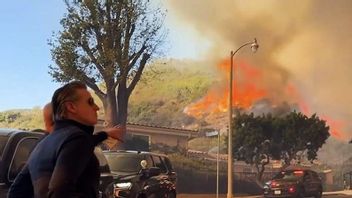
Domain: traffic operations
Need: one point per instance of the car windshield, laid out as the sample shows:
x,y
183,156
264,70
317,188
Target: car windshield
x,y
124,162
3,141
289,175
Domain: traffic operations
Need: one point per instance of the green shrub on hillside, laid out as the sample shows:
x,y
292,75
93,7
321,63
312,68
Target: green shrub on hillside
x,y
163,94
22,119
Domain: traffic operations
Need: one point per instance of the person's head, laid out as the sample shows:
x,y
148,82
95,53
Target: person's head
x,y
48,117
73,101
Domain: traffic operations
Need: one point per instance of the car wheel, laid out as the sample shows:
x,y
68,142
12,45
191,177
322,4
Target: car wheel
x,y
152,196
319,193
300,193
171,195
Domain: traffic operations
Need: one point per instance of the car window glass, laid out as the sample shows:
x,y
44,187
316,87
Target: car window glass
x,y
308,175
315,175
289,175
22,152
3,140
124,162
149,161
168,163
158,163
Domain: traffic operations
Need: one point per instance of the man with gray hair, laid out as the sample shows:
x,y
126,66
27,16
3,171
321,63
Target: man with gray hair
x,y
22,186
63,163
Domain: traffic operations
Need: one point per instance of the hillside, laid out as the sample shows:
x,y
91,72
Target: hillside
x,y
160,98
165,89
22,119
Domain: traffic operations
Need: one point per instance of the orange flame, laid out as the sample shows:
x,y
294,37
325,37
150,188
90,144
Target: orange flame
x,y
247,89
335,127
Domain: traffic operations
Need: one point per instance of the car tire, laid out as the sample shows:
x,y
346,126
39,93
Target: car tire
x,y
171,195
319,193
300,193
152,196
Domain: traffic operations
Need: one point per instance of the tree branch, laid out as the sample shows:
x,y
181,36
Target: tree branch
x,y
91,83
85,47
139,73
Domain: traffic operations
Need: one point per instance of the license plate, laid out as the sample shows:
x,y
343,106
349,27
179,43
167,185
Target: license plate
x,y
277,192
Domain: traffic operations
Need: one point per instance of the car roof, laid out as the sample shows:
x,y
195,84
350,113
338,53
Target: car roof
x,y
10,131
297,167
132,152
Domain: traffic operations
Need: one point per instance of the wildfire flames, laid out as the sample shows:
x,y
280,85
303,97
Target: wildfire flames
x,y
248,89
245,92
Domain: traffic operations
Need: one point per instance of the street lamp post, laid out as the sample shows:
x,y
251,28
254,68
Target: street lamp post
x,y
254,47
217,166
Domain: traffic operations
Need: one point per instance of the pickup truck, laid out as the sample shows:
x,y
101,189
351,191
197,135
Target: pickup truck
x,y
15,148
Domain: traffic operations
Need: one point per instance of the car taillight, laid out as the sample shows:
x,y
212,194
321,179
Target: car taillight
x,y
291,189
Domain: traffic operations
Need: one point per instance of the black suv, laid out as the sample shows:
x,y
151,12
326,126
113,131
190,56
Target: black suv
x,y
294,183
15,148
141,174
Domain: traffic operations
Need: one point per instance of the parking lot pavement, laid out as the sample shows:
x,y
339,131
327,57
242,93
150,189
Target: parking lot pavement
x,y
212,196
342,192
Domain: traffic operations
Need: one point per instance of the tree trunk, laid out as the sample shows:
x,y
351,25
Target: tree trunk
x,y
258,179
110,109
122,104
260,174
121,118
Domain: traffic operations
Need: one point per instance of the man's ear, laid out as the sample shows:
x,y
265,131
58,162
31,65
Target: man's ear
x,y
70,107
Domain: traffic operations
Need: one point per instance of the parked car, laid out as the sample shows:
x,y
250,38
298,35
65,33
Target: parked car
x,y
294,183
141,174
15,148
106,183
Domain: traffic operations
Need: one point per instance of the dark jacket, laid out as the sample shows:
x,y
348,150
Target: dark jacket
x,y
62,165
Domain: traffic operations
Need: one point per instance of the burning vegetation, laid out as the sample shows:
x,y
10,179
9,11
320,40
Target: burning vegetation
x,y
251,95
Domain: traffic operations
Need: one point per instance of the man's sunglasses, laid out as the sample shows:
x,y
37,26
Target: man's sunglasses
x,y
91,102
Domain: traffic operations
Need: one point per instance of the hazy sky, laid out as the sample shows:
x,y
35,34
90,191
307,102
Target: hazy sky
x,y
25,56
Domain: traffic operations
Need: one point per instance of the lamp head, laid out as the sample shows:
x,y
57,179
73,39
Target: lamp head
x,y
254,46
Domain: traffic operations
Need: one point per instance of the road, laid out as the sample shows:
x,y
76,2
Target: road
x,y
224,196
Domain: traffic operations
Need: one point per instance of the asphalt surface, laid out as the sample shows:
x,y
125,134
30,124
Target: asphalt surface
x,y
224,196
337,194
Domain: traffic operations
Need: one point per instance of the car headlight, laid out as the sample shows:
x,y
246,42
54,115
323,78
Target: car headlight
x,y
123,185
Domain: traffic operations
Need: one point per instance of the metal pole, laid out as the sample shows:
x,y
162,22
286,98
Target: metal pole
x,y
254,46
229,149
217,167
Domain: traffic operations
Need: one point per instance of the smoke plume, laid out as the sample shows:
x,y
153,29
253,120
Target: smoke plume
x,y
303,43
306,43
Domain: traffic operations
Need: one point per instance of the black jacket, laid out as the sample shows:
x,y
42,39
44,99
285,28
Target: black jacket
x,y
62,165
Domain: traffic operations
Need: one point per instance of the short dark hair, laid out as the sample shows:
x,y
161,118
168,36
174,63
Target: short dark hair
x,y
62,95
